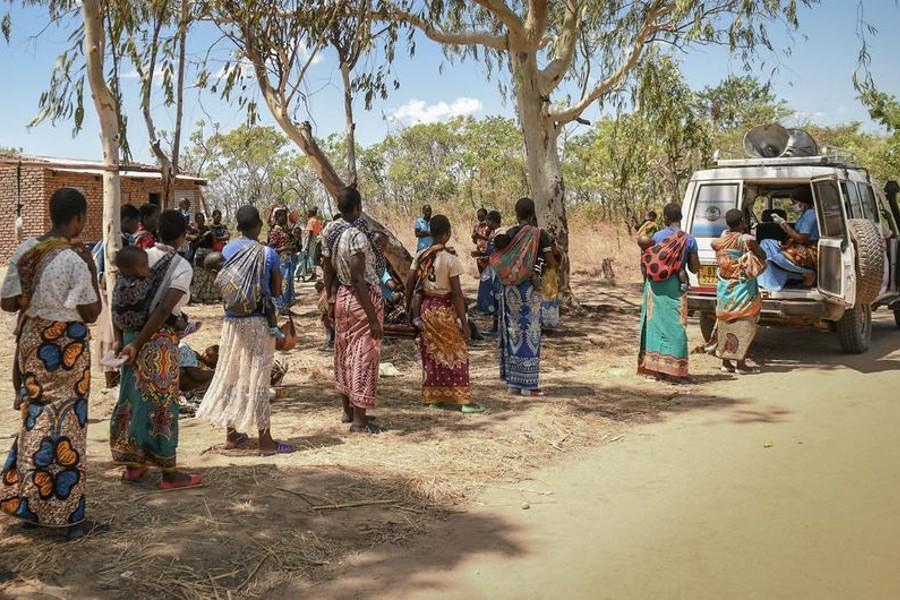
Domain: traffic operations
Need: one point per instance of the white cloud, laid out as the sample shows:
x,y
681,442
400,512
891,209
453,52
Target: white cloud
x,y
417,111
801,115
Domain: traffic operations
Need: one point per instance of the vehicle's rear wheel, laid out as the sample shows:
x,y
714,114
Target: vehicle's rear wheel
x,y
707,324
869,259
854,330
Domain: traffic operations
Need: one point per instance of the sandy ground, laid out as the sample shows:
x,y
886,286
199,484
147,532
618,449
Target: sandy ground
x,y
640,483
781,485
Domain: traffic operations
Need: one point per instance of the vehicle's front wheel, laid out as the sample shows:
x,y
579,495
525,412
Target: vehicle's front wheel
x,y
854,330
707,325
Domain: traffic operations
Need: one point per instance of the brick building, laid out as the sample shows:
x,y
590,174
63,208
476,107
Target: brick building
x,y
27,182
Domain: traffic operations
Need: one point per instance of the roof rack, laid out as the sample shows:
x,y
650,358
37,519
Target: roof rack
x,y
834,160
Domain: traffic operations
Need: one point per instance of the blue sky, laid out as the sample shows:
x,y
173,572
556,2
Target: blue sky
x,y
814,78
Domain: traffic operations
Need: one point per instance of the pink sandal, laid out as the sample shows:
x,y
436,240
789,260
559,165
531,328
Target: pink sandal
x,y
191,482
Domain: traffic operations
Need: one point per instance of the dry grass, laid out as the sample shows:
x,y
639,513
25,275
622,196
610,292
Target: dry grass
x,y
591,241
264,523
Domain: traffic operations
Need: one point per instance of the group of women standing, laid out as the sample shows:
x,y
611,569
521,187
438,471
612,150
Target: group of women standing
x,y
667,256
52,284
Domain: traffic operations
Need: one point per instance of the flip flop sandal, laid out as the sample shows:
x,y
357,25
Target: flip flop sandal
x,y
193,481
747,371
136,478
239,440
727,369
473,409
367,428
535,393
514,390
280,448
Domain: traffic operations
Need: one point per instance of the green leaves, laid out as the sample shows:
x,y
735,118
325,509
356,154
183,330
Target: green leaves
x,y
6,26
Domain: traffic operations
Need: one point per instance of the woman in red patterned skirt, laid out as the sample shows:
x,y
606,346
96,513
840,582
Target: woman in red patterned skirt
x,y
434,277
353,269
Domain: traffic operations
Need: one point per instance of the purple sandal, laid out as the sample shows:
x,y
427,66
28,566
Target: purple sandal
x,y
280,448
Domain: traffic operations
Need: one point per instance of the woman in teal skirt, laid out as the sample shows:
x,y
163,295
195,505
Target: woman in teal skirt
x,y
144,422
664,344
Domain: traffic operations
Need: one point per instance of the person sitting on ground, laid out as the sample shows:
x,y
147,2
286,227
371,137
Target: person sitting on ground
x,y
391,287
797,258
196,369
738,301
443,323
663,337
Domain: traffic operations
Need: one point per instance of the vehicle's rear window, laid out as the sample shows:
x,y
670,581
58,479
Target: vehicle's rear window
x,y
831,215
869,205
713,201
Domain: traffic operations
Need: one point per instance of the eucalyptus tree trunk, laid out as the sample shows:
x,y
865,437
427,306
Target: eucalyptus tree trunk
x,y
105,104
545,176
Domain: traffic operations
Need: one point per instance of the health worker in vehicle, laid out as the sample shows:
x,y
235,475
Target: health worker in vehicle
x,y
794,259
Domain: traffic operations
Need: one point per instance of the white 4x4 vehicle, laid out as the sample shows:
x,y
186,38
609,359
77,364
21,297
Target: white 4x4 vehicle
x,y
858,249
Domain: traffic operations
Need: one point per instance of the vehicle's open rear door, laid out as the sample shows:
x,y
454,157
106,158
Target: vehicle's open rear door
x,y
837,273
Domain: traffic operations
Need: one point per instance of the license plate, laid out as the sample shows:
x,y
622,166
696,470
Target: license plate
x,y
708,276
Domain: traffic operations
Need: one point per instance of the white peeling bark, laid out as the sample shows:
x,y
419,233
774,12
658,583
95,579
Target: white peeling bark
x,y
105,104
545,177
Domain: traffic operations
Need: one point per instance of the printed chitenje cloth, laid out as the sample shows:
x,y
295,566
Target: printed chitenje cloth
x,y
356,353
144,422
238,395
665,258
648,229
802,255
515,263
550,298
43,478
520,335
738,298
445,356
333,234
663,333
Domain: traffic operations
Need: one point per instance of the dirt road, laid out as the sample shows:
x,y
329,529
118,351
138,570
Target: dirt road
x,y
781,485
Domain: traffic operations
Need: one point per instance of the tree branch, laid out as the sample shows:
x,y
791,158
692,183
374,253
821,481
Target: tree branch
x,y
648,27
506,15
536,23
467,38
553,73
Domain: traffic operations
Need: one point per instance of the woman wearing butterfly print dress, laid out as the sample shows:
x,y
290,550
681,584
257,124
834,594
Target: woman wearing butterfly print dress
x,y
52,284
